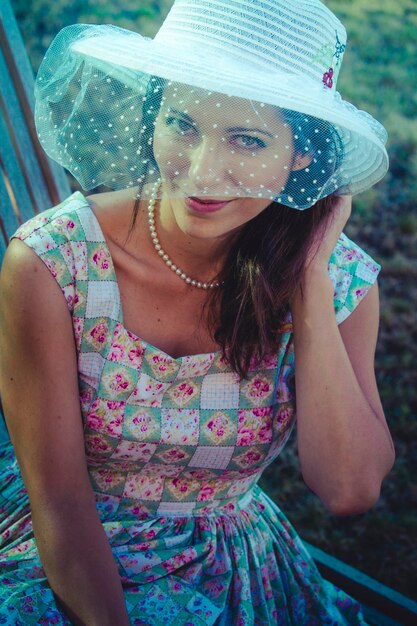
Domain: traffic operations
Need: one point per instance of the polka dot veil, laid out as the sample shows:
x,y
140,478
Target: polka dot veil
x,y
209,144
119,127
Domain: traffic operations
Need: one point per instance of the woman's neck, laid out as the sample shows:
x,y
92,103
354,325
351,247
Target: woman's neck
x,y
200,257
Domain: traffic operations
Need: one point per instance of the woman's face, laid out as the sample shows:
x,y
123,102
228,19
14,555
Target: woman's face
x,y
218,157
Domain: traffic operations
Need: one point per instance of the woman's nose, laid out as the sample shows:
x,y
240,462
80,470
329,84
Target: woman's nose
x,y
206,164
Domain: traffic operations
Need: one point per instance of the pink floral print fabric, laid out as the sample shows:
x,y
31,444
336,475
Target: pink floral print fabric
x,y
175,448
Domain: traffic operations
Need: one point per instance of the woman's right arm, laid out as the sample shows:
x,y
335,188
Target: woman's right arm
x,y
40,396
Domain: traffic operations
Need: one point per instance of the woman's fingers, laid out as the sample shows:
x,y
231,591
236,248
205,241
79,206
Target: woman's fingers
x,y
326,239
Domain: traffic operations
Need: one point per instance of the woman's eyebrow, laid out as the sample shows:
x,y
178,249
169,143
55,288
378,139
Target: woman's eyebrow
x,y
182,114
235,129
238,129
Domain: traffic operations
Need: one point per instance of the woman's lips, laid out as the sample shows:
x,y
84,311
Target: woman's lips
x,y
205,206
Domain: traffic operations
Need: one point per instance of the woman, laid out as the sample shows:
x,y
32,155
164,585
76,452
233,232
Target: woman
x,y
149,334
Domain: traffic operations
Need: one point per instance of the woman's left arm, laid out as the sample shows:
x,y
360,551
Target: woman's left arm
x,y
344,444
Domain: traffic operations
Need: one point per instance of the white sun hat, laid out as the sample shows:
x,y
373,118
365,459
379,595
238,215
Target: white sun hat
x,y
122,110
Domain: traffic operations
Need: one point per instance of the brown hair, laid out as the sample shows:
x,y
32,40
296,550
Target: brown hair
x,y
262,272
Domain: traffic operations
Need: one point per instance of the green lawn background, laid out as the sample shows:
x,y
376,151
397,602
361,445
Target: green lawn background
x,y
380,76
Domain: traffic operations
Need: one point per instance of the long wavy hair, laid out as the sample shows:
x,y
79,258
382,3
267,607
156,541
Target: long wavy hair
x,y
265,262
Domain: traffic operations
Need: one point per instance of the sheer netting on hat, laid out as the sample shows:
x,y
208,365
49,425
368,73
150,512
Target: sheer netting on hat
x,y
119,127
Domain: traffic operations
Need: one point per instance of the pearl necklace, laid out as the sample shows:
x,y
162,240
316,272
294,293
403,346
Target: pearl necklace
x,y
178,271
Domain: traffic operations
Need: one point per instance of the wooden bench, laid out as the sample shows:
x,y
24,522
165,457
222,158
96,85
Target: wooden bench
x,y
30,183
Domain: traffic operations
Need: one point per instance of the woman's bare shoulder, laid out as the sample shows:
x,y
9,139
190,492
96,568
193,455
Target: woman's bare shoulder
x,y
25,280
29,296
113,211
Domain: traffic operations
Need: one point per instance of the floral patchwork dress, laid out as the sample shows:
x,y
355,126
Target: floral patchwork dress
x,y
175,448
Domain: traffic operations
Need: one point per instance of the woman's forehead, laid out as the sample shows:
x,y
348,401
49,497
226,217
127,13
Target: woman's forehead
x,y
202,105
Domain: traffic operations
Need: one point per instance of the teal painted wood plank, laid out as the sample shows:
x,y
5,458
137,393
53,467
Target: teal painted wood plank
x,y
4,435
368,591
16,58
8,217
3,245
10,163
26,158
17,45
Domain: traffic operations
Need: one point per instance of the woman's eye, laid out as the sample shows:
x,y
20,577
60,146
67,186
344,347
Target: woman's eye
x,y
182,127
249,142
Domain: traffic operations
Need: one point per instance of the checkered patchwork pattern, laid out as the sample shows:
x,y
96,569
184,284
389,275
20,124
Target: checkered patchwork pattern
x,y
353,272
179,436
174,449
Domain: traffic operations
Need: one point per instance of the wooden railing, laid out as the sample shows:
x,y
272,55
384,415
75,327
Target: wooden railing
x,y
382,605
29,181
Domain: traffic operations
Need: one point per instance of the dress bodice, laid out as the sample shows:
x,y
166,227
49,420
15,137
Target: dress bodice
x,y
164,435
174,449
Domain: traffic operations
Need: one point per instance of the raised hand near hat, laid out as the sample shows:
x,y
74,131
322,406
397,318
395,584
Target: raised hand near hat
x,y
327,237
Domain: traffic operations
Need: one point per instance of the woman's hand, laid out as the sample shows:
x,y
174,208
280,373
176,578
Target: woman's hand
x,y
316,276
326,239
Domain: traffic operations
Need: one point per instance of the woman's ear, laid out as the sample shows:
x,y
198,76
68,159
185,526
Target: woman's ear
x,y
301,161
